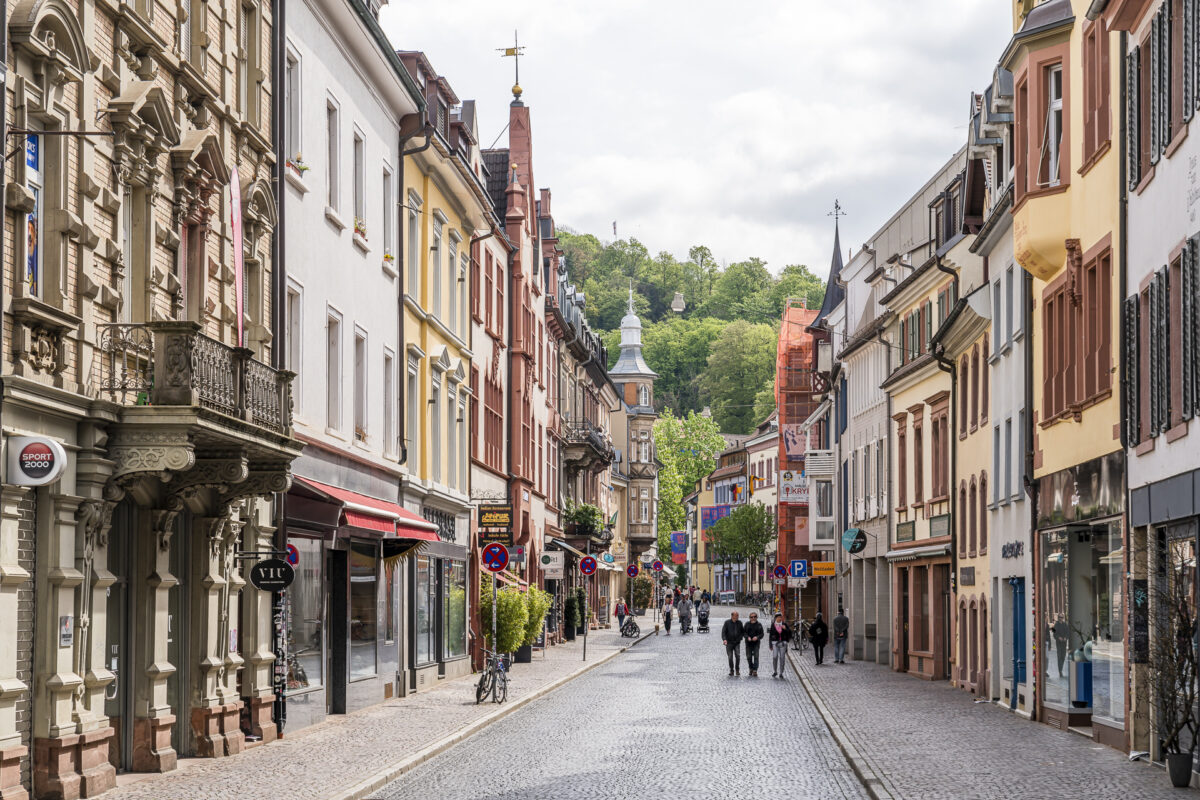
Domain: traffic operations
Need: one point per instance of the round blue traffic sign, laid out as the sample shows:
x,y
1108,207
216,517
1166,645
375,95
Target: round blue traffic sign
x,y
780,571
587,565
632,571
657,566
495,557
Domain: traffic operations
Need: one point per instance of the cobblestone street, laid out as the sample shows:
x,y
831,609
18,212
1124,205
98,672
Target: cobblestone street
x,y
928,741
662,720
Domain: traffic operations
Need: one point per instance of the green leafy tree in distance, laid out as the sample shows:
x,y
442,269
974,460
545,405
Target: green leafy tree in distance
x,y
745,533
741,362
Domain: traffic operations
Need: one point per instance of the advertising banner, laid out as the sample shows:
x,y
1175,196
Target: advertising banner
x,y
710,514
678,547
793,487
802,530
795,440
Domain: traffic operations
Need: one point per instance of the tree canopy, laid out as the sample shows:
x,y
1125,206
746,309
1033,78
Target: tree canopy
x,y
723,304
745,533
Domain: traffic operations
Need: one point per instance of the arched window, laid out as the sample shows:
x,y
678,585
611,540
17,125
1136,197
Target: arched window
x,y
983,514
973,519
964,376
643,395
962,517
975,387
963,642
974,640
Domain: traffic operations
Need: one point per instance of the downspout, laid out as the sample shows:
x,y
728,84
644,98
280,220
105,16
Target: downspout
x,y
278,323
1123,270
887,370
401,246
949,367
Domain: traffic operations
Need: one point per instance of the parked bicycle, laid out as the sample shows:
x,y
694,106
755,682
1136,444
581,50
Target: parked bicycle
x,y
800,635
494,679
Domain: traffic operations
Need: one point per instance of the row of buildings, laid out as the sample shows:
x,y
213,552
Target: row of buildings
x,y
995,399
265,295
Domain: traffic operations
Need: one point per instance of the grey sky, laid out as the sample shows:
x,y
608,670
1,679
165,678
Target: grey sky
x,y
733,125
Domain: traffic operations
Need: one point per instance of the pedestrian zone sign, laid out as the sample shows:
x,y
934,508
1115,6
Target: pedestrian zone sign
x,y
799,569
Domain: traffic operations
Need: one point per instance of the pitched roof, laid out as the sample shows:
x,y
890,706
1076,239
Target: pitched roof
x,y
496,163
834,293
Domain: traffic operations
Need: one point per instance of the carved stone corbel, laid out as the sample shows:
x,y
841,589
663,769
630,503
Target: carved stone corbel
x,y
1074,269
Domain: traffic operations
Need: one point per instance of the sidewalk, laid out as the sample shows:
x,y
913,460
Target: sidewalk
x,y
909,738
348,757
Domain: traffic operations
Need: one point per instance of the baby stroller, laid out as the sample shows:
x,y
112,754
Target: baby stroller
x,y
702,626
685,624
630,629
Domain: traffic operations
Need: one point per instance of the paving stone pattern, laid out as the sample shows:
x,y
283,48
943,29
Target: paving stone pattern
x,y
321,761
662,720
930,741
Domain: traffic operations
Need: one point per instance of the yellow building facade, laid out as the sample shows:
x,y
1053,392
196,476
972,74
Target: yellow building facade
x,y
1066,236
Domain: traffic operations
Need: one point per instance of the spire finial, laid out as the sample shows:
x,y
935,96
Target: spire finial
x,y
836,213
631,295
515,52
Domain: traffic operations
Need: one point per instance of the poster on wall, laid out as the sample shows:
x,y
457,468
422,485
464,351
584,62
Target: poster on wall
x,y
793,486
795,440
802,530
709,515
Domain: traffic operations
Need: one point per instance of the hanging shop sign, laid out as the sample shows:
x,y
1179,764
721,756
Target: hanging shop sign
x,y
854,540
495,524
516,553
272,575
35,460
553,564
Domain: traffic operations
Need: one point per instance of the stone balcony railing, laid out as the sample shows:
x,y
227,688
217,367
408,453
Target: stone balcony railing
x,y
174,364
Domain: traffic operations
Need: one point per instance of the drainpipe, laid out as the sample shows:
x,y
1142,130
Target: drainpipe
x,y
949,367
278,323
887,370
427,130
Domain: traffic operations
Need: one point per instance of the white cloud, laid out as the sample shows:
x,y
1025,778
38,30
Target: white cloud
x,y
729,125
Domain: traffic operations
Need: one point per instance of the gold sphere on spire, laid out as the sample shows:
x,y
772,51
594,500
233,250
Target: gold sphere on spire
x,y
517,90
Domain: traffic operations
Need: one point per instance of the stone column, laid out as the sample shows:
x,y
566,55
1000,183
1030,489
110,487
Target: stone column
x,y
216,709
257,630
12,578
153,715
56,732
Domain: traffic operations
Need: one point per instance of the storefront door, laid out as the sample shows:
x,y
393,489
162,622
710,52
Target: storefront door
x,y
118,699
902,634
1017,646
178,629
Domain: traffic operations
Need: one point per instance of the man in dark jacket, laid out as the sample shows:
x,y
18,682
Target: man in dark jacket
x,y
753,631
818,634
731,636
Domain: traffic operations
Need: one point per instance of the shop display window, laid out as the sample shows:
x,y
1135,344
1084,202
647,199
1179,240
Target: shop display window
x,y
1106,648
364,610
304,612
426,604
454,609
1054,603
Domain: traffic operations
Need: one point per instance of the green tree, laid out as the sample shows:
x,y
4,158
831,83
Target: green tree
x,y
740,363
689,444
580,251
797,281
735,288
745,533
764,401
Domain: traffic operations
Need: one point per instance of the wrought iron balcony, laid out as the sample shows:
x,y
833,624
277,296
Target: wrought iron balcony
x,y
174,364
585,446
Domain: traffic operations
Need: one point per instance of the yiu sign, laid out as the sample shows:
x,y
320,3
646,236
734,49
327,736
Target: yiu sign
x,y
35,460
272,575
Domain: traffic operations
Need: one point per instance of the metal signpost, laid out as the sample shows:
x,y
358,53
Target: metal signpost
x,y
587,565
495,559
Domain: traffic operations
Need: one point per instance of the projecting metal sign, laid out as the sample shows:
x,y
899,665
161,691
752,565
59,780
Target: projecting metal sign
x,y
272,575
35,460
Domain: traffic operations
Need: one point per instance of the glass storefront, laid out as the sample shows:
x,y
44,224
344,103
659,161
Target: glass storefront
x,y
1082,616
426,605
454,609
304,612
364,611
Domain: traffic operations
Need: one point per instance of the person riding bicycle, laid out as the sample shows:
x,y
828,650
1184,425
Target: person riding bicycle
x,y
684,609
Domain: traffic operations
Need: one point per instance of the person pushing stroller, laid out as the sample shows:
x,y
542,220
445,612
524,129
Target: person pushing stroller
x,y
684,609
702,610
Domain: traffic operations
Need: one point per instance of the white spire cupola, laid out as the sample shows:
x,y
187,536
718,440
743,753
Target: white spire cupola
x,y
631,364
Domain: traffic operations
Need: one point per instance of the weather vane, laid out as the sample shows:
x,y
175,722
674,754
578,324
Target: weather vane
x,y
837,212
516,51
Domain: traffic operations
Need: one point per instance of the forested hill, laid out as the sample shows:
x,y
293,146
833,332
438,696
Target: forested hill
x,y
720,352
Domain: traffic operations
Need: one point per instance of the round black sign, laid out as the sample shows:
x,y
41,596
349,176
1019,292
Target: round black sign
x,y
855,543
272,574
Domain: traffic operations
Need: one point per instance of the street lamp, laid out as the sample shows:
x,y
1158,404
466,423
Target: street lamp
x,y
678,304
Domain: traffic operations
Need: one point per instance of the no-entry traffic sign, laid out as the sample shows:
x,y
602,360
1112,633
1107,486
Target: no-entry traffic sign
x,y
632,571
587,565
657,566
780,571
495,557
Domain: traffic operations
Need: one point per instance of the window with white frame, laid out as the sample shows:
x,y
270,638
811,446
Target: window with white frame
x,y
451,435
332,148
294,311
1022,446
461,422
127,253
360,385
1008,305
389,215
360,211
451,268
435,426
463,265
414,246
997,455
1008,459
1052,133
389,402
412,403
333,370
997,314
291,99
435,265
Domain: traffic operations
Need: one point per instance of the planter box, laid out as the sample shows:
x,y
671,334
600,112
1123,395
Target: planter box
x,y
569,634
524,654
580,630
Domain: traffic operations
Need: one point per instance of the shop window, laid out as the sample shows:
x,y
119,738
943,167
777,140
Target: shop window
x,y
426,606
1107,620
389,591
454,609
1054,600
364,610
304,610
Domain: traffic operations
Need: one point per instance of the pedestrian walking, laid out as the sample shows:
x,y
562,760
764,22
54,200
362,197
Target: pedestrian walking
x,y
684,610
818,634
731,636
778,637
841,634
705,596
753,631
666,612
621,610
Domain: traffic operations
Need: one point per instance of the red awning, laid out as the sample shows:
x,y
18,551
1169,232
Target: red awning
x,y
373,514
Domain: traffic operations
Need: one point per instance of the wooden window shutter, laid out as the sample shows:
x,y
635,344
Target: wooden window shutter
x,y
1188,275
1132,104
928,311
1155,85
1164,78
1133,368
903,341
1164,347
1104,87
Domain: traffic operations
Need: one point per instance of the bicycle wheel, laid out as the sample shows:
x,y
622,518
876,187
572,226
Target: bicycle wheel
x,y
501,687
484,687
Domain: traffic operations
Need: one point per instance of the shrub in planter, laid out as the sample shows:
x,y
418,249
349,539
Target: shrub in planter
x,y
582,610
642,588
583,519
537,603
570,616
511,616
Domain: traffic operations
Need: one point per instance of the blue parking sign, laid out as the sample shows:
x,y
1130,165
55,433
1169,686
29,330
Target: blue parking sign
x,y
799,569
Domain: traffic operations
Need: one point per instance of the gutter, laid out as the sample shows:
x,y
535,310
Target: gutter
x,y
1095,10
389,52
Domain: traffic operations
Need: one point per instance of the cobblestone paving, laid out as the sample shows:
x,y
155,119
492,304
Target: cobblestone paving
x,y
930,741
321,761
663,720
